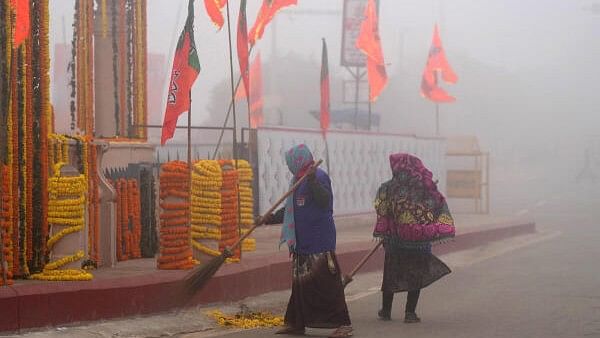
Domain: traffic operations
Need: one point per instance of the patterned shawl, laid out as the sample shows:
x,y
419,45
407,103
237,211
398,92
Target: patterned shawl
x,y
409,207
298,159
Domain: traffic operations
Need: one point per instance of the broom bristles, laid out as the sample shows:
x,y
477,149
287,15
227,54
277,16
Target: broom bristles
x,y
198,277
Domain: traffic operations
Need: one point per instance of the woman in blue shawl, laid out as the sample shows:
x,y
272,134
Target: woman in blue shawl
x,y
308,229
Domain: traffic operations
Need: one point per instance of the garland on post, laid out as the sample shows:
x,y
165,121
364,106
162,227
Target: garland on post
x,y
66,211
25,102
206,208
6,225
230,230
215,206
246,203
175,247
129,226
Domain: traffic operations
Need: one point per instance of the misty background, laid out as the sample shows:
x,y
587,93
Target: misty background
x,y
528,76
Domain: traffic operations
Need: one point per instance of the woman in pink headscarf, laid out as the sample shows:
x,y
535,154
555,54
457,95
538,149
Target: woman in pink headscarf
x,y
411,215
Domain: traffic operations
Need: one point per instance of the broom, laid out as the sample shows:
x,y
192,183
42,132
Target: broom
x,y
198,277
348,278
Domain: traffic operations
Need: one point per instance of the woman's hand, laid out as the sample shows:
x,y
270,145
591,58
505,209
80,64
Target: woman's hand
x,y
261,220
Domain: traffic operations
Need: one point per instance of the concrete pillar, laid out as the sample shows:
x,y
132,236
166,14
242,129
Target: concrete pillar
x,y
108,217
104,87
71,243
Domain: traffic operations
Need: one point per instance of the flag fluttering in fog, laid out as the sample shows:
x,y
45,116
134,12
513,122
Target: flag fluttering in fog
x,y
186,67
213,9
369,43
265,15
437,65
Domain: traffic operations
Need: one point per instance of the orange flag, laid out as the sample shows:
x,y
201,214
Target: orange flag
x,y
437,64
369,43
213,8
22,25
265,15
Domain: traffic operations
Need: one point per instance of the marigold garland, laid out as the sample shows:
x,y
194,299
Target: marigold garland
x,y
66,206
129,227
246,320
174,233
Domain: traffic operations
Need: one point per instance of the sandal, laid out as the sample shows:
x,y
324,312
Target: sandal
x,y
342,332
295,331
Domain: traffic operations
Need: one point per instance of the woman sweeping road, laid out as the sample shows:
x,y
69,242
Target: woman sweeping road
x,y
411,215
317,298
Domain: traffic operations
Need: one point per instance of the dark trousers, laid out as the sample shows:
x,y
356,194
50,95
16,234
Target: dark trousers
x,y
411,301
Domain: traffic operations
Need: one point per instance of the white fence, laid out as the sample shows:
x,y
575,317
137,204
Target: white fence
x,y
359,163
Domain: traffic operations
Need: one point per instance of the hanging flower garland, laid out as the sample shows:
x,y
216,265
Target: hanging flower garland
x,y
104,18
66,209
175,246
246,203
230,231
6,224
129,227
206,208
215,203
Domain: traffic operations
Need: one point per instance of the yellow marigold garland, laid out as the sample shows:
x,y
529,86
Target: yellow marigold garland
x,y
66,207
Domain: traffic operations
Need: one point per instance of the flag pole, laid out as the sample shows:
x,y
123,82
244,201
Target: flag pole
x,y
437,119
235,145
369,128
189,132
229,112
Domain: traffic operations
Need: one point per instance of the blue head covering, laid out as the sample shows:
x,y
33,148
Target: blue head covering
x,y
298,159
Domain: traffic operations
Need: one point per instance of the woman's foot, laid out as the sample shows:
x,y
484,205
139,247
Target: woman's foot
x,y
295,331
342,332
411,317
383,315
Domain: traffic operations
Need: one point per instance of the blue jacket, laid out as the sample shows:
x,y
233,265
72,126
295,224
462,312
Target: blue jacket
x,y
315,228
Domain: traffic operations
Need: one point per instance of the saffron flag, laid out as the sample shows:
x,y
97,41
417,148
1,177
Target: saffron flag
x,y
437,64
22,23
213,9
186,68
242,45
324,89
267,11
256,93
370,44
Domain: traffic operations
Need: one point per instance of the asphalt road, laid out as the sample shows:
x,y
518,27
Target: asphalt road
x,y
544,285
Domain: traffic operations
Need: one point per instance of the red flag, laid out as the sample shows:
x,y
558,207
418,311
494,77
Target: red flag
x,y
186,68
266,13
22,25
242,45
324,89
256,95
213,8
437,64
369,43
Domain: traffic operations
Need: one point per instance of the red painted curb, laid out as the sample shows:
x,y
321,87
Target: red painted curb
x,y
50,304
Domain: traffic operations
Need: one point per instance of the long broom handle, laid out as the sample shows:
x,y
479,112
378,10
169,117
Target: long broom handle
x,y
348,277
279,201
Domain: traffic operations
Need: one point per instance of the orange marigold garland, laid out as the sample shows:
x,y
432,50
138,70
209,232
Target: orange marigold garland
x,y
5,224
175,247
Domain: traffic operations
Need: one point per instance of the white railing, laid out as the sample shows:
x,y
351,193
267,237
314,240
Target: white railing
x,y
359,163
